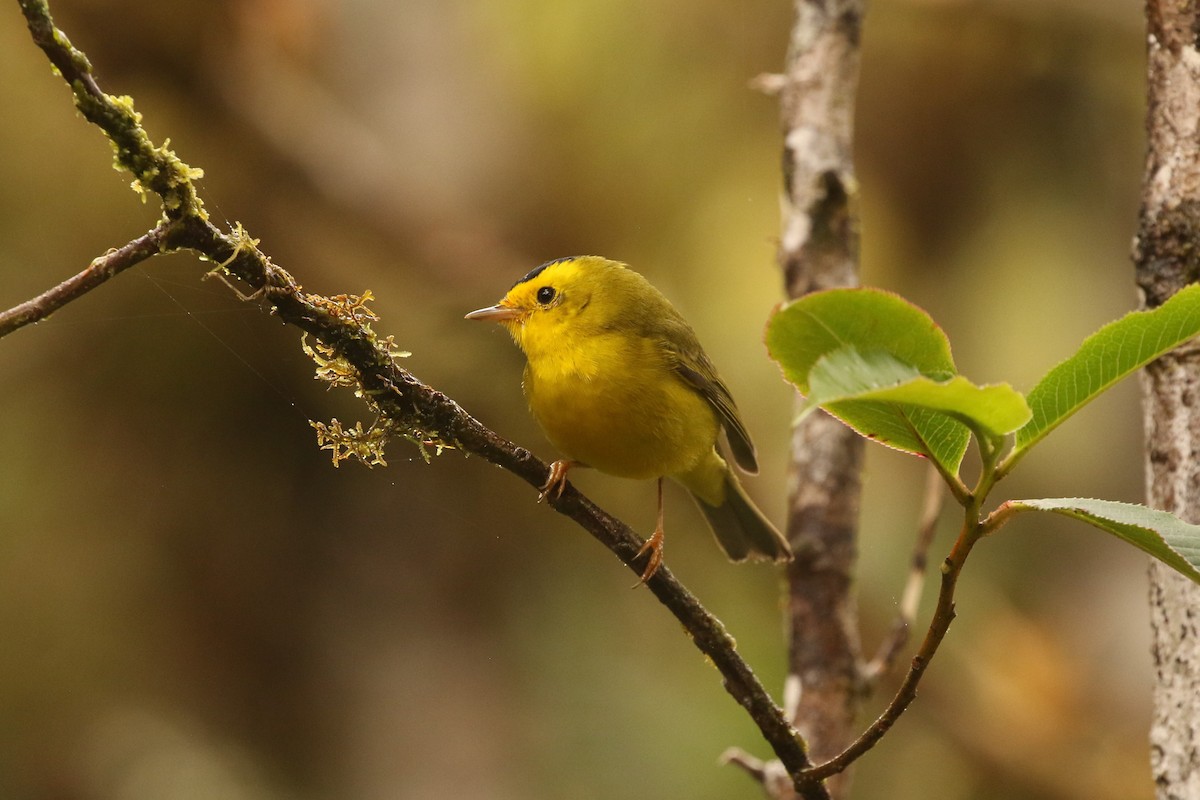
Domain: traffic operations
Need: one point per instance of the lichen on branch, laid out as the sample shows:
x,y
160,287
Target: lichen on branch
x,y
365,444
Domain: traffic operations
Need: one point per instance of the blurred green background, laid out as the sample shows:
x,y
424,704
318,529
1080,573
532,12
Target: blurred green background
x,y
195,604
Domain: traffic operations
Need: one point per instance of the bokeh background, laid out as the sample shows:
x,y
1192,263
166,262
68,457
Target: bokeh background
x,y
195,604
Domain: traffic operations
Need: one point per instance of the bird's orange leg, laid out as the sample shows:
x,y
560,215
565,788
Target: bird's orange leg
x,y
653,545
556,481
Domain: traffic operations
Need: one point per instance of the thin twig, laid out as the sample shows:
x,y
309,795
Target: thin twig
x,y
893,643
973,529
424,412
943,615
112,263
768,774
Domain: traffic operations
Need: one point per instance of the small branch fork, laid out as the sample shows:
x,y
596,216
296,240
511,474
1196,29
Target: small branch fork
x,y
768,773
974,528
395,392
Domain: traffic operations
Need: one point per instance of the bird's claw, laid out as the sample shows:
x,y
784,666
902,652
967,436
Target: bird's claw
x,y
653,546
556,481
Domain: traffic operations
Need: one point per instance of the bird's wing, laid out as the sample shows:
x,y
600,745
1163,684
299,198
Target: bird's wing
x,y
695,368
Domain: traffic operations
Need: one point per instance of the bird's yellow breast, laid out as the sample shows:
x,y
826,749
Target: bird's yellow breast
x,y
614,402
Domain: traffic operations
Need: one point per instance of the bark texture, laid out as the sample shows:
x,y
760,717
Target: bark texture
x,y
819,250
1166,259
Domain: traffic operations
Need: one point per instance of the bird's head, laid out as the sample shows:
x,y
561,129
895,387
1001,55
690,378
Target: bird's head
x,y
558,300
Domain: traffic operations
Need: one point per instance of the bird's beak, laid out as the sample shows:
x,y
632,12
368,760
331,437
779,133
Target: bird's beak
x,y
495,314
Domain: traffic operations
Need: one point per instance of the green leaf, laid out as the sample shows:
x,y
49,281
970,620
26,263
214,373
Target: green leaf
x,y
1165,536
1106,357
884,367
849,375
853,388
908,428
869,320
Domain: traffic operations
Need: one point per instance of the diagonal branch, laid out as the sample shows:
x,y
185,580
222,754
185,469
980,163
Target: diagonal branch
x,y
155,167
410,408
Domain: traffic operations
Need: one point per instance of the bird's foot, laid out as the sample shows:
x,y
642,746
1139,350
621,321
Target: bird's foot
x,y
653,546
556,481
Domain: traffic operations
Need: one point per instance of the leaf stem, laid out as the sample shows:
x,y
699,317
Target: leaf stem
x,y
1009,461
1000,517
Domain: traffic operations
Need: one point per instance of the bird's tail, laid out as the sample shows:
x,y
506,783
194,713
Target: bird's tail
x,y
741,529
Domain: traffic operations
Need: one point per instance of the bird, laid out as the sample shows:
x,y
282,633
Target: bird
x,y
618,381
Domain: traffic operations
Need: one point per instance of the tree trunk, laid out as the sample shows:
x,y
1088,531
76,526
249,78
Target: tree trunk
x,y
819,250
1167,258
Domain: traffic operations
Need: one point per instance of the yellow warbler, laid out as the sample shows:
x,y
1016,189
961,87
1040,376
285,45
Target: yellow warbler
x,y
618,381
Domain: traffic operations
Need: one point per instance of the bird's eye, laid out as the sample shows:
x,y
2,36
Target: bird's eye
x,y
546,294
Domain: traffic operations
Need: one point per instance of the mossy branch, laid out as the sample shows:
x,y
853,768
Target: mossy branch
x,y
349,353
